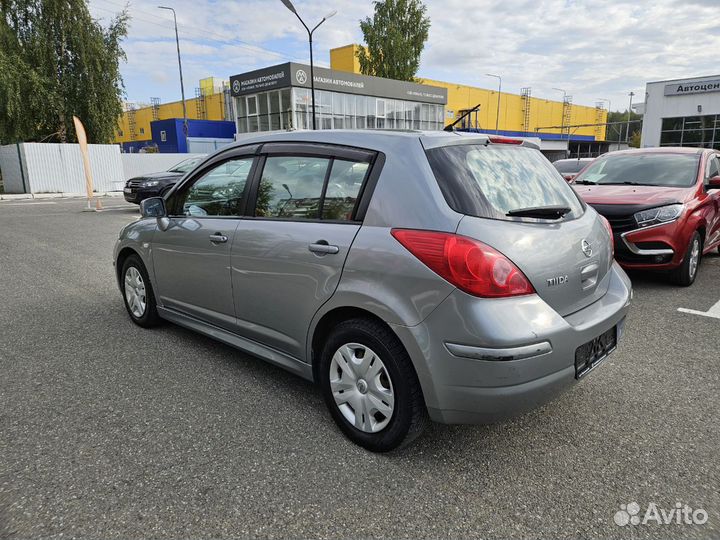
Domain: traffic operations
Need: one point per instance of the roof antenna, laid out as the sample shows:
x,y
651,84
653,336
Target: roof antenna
x,y
451,127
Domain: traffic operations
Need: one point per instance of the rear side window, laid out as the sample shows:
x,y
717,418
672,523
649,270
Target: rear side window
x,y
346,179
490,181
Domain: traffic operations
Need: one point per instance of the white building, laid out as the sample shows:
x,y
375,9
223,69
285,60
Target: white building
x,y
682,112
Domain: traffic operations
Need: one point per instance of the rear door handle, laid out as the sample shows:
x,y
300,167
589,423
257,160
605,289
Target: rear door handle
x,y
218,238
323,248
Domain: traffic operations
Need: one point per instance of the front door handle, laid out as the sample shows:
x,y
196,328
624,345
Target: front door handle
x,y
218,238
321,247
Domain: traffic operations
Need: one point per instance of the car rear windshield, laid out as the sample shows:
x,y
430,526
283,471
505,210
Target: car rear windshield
x,y
491,181
569,166
650,169
186,165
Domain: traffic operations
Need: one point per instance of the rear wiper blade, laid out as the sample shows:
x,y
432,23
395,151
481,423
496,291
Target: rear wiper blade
x,y
543,212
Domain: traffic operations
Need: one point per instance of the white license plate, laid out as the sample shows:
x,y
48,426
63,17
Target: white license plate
x,y
127,190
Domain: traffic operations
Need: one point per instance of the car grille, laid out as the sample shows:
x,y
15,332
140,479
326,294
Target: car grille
x,y
134,183
621,224
621,217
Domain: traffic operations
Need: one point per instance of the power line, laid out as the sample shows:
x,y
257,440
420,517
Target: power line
x,y
200,33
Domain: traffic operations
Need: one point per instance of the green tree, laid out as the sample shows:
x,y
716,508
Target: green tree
x,y
395,38
620,131
56,61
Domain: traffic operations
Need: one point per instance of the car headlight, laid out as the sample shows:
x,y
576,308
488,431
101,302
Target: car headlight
x,y
150,183
661,214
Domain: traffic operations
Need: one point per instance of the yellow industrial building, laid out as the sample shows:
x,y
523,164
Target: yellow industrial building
x,y
519,113
210,104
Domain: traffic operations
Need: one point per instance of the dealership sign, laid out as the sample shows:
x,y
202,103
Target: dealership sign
x,y
692,87
292,74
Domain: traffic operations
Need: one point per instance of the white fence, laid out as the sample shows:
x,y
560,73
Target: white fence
x,y
206,145
58,168
138,164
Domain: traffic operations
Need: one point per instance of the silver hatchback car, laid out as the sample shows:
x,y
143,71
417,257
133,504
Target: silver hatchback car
x,y
414,276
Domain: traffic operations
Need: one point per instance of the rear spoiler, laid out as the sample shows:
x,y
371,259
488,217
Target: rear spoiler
x,y
495,139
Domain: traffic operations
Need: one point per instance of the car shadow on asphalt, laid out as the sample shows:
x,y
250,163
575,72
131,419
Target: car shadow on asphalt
x,y
650,278
438,440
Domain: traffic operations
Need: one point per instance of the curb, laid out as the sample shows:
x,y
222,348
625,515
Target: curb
x,y
28,196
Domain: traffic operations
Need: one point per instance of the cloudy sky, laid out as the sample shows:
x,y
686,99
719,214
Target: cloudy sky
x,y
591,48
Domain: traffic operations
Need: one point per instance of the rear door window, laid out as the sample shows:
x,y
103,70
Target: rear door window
x,y
310,188
291,187
490,181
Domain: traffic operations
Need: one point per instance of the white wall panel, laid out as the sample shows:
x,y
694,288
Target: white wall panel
x,y
10,168
139,164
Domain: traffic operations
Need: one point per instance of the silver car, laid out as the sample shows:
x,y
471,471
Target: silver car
x,y
413,276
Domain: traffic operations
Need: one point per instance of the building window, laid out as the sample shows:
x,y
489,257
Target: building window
x,y
302,108
252,114
120,133
696,131
163,136
291,108
142,131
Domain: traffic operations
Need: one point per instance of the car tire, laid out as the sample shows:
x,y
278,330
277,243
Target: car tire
x,y
138,294
687,272
363,348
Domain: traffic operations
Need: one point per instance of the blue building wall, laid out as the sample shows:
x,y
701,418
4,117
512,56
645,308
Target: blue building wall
x,y
175,139
540,135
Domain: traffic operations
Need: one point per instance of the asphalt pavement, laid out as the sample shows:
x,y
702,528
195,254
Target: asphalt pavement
x,y
111,431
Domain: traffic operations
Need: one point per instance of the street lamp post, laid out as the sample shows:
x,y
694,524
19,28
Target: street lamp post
x,y
627,132
497,115
291,7
182,86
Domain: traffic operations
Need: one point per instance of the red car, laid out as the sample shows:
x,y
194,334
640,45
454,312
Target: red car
x,y
663,205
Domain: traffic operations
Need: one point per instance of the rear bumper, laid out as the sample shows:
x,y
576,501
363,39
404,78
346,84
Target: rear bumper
x,y
515,353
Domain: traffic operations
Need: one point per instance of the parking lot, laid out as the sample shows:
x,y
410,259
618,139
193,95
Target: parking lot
x,y
108,430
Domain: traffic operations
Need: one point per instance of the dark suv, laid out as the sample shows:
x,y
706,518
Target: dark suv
x,y
157,184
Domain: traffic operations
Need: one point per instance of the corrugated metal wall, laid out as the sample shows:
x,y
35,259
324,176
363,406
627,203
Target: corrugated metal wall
x,y
206,145
58,168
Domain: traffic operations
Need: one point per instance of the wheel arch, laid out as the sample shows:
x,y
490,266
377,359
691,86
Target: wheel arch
x,y
122,256
328,320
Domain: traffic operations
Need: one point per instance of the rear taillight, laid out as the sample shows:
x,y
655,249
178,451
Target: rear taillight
x,y
470,265
504,140
610,232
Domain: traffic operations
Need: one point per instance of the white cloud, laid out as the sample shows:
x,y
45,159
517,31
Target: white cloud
x,y
591,48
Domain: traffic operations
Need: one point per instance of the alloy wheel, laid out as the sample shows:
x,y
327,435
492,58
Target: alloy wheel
x,y
361,386
135,292
694,257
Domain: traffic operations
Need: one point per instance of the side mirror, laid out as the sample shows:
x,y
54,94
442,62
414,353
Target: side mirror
x,y
569,177
153,207
714,182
